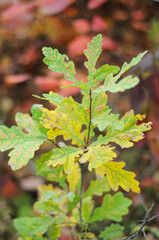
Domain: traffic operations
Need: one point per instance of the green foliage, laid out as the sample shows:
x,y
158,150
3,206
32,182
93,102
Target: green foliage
x,y
130,131
25,139
114,231
55,175
74,123
31,227
105,70
111,84
59,63
98,187
113,207
99,106
87,208
52,97
66,157
92,53
108,119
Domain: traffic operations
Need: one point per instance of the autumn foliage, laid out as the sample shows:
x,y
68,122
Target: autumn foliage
x,y
79,148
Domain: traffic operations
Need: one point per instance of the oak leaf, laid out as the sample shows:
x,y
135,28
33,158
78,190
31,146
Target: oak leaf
x,y
113,208
97,156
117,176
65,156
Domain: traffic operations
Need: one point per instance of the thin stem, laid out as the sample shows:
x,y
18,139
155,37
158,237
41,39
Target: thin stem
x,y
142,202
146,220
86,144
81,195
54,143
143,230
90,116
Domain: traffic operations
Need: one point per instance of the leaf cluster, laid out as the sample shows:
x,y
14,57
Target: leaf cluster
x,y
76,123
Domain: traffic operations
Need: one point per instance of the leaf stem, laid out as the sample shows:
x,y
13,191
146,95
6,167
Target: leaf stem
x,y
81,195
86,144
54,143
90,117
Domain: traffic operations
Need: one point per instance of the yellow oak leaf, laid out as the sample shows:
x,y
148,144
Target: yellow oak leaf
x,y
97,156
117,176
74,110
59,124
74,177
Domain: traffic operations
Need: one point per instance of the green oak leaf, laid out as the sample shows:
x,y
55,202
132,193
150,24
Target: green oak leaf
x,y
92,53
25,139
51,174
37,113
102,72
65,156
28,227
98,187
52,97
130,132
113,208
99,106
114,231
53,201
59,63
108,119
128,82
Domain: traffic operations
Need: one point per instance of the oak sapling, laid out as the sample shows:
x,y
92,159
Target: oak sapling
x,y
68,205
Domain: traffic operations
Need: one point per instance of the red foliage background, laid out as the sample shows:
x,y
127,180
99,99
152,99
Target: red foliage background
x,y
128,28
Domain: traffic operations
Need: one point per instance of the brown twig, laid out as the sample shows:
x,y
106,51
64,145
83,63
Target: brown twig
x,y
54,143
144,222
142,202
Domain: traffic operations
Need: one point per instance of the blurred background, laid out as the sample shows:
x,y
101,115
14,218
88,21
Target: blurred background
x,y
128,28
